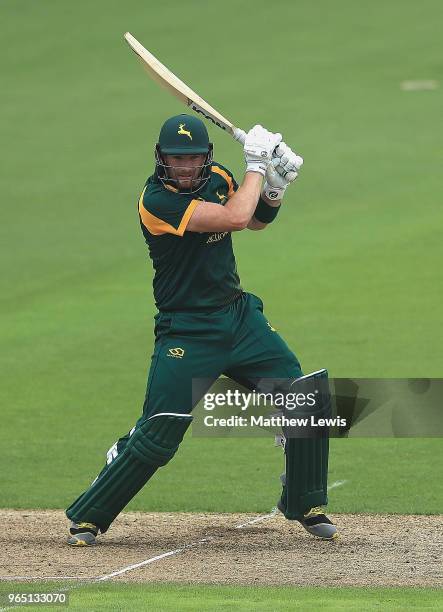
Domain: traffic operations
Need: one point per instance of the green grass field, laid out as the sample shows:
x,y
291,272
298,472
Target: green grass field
x,y
349,273
169,597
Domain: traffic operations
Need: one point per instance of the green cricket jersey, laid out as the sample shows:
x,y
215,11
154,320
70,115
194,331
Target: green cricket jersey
x,y
193,271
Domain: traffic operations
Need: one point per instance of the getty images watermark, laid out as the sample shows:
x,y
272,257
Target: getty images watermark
x,y
348,407
285,402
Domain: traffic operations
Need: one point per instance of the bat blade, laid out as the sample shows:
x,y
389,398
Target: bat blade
x,y
174,85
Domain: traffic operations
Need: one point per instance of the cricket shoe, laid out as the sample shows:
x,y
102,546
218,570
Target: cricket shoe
x,y
314,521
83,534
318,524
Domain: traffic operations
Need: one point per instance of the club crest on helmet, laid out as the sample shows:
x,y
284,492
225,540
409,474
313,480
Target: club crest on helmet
x,y
181,130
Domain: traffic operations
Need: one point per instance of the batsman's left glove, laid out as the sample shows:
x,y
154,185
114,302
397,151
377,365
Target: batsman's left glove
x,y
282,171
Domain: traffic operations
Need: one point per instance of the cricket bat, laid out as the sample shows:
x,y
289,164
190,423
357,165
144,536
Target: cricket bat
x,y
180,90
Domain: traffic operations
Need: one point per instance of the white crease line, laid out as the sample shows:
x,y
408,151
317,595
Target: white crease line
x,y
259,518
274,511
134,566
337,483
84,582
171,553
151,560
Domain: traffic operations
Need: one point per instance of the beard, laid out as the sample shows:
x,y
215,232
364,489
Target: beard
x,y
186,181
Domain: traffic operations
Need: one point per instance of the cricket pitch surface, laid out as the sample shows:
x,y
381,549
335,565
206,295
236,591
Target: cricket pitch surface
x,y
233,549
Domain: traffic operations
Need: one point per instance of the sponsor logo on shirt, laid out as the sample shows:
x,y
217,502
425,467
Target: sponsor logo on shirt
x,y
216,237
176,352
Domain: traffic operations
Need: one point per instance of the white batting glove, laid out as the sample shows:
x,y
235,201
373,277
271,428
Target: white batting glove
x,y
289,163
259,147
275,185
282,171
285,161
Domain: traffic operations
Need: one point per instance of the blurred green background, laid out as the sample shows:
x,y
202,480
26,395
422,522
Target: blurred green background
x,y
350,273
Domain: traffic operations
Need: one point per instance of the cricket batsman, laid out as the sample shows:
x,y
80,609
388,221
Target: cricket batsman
x,y
206,324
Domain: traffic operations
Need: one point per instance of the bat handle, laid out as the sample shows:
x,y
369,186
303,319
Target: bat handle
x,y
239,135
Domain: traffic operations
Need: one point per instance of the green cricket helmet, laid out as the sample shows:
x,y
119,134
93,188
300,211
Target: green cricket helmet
x,y
183,135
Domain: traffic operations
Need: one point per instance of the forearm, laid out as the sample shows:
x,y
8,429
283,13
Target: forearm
x,y
254,223
244,202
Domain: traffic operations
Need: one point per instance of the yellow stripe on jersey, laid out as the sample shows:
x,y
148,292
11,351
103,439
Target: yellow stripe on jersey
x,y
227,178
157,226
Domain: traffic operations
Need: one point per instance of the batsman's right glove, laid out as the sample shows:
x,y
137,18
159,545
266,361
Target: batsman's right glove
x,y
259,147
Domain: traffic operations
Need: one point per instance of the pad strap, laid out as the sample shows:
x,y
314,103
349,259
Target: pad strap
x,y
157,439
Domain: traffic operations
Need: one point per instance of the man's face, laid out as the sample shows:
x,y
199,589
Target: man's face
x,y
184,168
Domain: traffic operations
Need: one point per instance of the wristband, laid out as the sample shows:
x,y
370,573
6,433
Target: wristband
x,y
265,213
273,193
